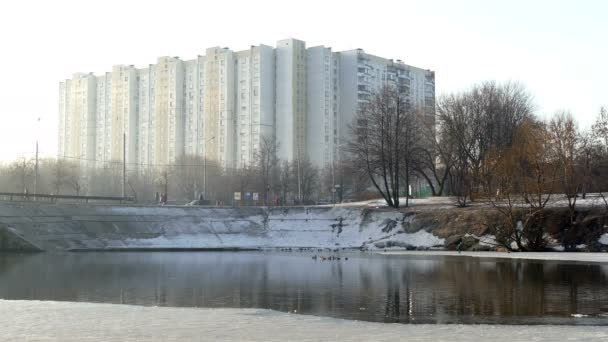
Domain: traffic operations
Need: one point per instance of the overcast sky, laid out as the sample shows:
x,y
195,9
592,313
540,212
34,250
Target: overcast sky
x,y
558,49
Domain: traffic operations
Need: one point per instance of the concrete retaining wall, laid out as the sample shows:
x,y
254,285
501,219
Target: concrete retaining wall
x,y
28,226
65,227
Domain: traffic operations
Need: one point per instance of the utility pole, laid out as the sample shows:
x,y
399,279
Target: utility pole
x,y
299,180
36,166
124,164
24,176
36,171
205,175
205,167
333,182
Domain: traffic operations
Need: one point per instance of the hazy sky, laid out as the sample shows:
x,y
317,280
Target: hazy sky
x,y
558,49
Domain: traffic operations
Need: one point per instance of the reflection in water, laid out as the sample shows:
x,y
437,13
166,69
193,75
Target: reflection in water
x,y
413,289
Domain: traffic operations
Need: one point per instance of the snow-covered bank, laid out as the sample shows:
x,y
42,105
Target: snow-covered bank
x,y
30,226
88,227
592,200
557,256
64,321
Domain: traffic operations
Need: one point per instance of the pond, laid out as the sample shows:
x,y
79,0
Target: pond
x,y
359,286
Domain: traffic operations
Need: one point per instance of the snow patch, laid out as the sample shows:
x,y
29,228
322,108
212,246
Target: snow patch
x,y
604,239
484,240
302,227
418,239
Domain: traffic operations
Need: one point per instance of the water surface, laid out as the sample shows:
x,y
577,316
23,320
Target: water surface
x,y
404,289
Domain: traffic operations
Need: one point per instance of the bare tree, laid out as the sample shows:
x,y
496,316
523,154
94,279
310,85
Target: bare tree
x,y
457,129
59,174
587,158
309,178
351,181
75,178
412,146
600,127
267,161
522,181
436,159
380,146
476,122
285,180
21,172
599,132
242,179
564,140
187,176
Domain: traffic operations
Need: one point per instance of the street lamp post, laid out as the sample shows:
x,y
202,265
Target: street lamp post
x,y
36,171
36,166
205,169
338,189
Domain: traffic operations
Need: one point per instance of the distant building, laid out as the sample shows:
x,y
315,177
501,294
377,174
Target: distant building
x,y
323,106
291,99
362,74
223,105
255,102
77,117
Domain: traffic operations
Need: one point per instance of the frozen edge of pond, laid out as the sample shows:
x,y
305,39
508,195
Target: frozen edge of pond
x,y
557,256
67,321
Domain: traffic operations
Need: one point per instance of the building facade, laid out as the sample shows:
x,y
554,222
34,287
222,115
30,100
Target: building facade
x,y
362,74
291,99
255,102
322,115
222,106
77,118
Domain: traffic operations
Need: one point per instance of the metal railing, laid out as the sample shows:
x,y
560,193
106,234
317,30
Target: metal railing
x,y
15,196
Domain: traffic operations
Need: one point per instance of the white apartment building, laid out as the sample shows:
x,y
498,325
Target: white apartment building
x,y
115,115
123,112
223,105
77,110
166,85
255,102
291,99
219,103
362,74
145,117
194,105
103,119
322,106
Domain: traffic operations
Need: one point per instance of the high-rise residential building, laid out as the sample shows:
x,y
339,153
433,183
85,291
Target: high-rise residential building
x,y
222,106
145,116
168,123
322,116
116,116
255,102
194,100
362,74
229,104
122,129
291,99
103,119
218,120
77,111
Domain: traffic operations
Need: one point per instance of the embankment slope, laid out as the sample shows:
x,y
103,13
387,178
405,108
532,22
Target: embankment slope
x,y
27,226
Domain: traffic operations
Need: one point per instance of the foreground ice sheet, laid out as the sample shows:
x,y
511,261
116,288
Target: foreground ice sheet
x,y
558,256
64,321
